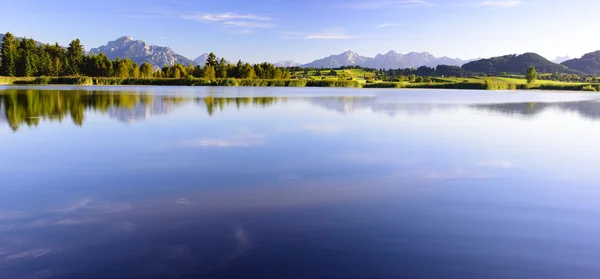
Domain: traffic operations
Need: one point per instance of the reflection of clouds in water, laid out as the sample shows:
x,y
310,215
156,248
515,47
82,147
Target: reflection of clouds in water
x,y
242,240
182,201
69,222
12,215
458,173
27,254
48,222
101,206
241,138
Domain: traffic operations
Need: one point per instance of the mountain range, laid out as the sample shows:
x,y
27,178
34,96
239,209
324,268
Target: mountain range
x,y
140,52
158,56
389,60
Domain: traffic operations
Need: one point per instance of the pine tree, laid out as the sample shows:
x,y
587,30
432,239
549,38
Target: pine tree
x,y
9,55
211,60
74,57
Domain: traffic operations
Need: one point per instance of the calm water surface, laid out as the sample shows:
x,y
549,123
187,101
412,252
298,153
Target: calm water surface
x,y
177,182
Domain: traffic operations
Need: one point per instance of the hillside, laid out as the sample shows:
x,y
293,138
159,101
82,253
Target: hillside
x,y
589,63
515,64
140,52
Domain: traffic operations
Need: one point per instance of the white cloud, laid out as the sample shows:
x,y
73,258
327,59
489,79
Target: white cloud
x,y
249,24
240,23
501,4
223,17
388,25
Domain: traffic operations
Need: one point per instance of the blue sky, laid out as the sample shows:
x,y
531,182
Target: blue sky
x,y
274,30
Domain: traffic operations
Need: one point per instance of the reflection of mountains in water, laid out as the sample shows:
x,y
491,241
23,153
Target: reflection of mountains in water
x,y
588,109
142,111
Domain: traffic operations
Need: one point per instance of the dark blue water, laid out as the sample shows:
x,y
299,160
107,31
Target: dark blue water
x,y
177,182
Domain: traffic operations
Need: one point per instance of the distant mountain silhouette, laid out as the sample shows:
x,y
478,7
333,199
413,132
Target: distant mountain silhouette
x,y
560,59
589,63
140,52
394,60
389,60
516,64
348,58
288,63
20,38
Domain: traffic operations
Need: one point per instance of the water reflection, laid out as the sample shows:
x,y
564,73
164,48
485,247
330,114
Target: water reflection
x,y
28,107
294,183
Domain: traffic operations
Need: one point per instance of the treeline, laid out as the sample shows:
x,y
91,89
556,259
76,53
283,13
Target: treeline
x,y
220,69
28,58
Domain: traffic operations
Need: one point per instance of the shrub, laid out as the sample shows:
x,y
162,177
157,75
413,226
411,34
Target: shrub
x,y
588,87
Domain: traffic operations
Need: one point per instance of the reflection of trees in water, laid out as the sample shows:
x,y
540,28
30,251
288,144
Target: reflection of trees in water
x,y
27,107
212,102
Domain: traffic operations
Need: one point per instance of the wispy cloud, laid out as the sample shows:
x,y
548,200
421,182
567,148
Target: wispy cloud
x,y
323,35
501,4
249,24
243,23
384,4
223,17
389,25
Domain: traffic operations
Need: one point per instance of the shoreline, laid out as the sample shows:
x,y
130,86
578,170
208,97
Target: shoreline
x,y
108,81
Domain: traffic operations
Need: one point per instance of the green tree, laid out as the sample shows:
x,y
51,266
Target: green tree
x,y
246,71
221,69
209,72
74,58
531,74
211,60
146,70
9,55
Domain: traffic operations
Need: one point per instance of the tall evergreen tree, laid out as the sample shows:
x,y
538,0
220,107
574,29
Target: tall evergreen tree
x,y
74,57
211,60
9,55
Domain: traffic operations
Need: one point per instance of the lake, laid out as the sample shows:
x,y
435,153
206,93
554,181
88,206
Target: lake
x,y
239,182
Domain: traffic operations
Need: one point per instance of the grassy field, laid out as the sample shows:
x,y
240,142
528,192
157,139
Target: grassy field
x,y
479,83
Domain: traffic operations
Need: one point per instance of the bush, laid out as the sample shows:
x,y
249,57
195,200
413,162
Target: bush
x,y
588,87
